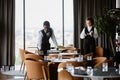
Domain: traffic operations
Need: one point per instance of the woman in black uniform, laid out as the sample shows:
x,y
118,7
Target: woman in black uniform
x,y
89,34
43,38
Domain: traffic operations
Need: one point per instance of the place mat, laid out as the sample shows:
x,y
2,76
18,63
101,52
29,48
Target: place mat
x,y
79,72
110,72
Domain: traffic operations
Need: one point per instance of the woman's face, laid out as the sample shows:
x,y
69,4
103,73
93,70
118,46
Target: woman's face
x,y
46,28
88,23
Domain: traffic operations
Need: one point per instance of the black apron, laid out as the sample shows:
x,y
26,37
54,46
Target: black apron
x,y
89,42
45,41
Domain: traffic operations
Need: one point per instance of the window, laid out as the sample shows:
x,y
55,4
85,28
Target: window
x,y
19,28
68,22
38,11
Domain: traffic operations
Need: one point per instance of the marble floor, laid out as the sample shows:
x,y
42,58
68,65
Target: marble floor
x,y
11,77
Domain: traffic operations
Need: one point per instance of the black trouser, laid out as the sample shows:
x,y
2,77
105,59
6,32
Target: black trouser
x,y
45,48
45,52
89,45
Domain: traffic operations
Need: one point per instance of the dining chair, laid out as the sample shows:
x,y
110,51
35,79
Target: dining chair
x,y
36,70
33,57
71,49
99,51
64,75
75,64
22,55
63,56
86,55
51,56
68,56
97,62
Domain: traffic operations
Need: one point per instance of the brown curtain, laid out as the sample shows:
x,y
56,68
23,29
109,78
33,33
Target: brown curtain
x,y
88,8
7,32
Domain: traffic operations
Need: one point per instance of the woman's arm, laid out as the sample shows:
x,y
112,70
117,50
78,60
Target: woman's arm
x,y
39,42
54,39
82,35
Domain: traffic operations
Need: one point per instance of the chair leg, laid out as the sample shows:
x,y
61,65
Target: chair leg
x,y
28,78
25,77
21,66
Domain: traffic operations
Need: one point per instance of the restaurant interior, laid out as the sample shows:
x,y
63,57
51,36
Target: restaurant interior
x,y
26,53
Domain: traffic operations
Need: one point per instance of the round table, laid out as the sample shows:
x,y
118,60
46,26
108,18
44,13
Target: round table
x,y
99,75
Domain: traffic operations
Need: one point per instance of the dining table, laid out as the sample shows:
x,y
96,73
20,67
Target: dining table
x,y
66,54
54,67
98,74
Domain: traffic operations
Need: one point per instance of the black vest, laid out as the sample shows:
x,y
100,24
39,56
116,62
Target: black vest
x,y
86,30
89,39
45,39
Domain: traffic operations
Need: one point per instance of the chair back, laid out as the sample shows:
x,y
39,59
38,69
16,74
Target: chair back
x,y
68,56
22,54
54,55
72,49
33,57
35,70
99,52
97,62
86,55
64,75
63,65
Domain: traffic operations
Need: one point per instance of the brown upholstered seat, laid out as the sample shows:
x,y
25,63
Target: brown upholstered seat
x,y
75,64
64,75
99,51
33,57
97,62
36,70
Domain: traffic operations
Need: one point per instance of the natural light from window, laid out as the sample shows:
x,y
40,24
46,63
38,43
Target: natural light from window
x,y
38,11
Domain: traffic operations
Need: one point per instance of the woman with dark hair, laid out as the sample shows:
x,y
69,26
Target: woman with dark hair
x,y
89,34
43,38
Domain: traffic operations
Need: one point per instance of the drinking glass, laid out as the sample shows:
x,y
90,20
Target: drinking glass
x,y
69,67
89,70
80,58
105,67
53,59
59,56
75,52
89,58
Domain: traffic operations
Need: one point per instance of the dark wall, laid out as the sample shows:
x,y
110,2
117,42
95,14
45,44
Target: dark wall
x,y
88,8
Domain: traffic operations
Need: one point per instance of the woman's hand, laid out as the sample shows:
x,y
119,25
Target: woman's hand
x,y
92,33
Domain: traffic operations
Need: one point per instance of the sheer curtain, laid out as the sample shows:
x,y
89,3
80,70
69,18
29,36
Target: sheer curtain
x,y
87,8
7,32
